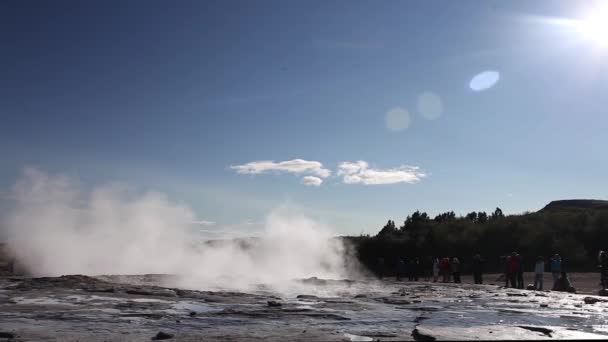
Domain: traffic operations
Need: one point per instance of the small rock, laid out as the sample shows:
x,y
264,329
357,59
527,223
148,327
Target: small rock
x,y
544,305
192,313
361,295
591,300
162,336
306,297
517,294
545,331
418,336
4,334
274,304
530,287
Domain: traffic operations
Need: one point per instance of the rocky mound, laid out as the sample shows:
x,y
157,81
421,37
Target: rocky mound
x,y
576,204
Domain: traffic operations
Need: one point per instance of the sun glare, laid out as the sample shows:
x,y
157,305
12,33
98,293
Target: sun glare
x,y
595,26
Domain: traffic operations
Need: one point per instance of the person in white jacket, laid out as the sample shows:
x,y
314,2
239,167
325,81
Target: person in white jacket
x,y
539,272
435,269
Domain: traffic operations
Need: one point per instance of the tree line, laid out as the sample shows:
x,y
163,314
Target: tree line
x,y
577,234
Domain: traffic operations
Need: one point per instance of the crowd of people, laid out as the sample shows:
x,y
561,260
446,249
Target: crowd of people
x,y
448,269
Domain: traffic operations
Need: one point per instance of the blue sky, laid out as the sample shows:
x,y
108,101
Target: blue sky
x,y
170,95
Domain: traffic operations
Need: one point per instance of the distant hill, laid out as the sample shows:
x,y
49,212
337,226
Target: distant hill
x,y
576,204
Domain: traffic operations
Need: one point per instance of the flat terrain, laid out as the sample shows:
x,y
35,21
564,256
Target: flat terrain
x,y
135,308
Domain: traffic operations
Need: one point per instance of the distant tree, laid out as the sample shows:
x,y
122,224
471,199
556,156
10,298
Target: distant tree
x,y
482,217
472,216
577,234
497,214
416,220
443,217
388,229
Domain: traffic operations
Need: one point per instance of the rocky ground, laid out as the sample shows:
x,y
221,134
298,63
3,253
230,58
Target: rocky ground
x,y
134,308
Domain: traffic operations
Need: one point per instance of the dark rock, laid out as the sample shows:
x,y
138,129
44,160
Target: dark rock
x,y
542,330
361,295
592,300
192,314
395,301
544,305
418,336
4,334
306,297
162,336
274,304
517,294
152,292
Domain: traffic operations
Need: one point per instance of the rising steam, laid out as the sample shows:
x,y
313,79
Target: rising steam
x,y
58,227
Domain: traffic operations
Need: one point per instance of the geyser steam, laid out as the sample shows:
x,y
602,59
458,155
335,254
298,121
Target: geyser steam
x,y
57,227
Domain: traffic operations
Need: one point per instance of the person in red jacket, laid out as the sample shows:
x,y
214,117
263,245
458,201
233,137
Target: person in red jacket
x,y
513,268
444,267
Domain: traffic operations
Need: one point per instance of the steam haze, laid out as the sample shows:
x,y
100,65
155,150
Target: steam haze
x,y
57,227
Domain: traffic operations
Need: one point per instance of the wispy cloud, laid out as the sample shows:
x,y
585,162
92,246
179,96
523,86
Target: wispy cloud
x,y
204,223
295,166
359,172
312,181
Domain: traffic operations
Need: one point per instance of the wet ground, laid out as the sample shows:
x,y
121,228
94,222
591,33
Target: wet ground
x,y
133,308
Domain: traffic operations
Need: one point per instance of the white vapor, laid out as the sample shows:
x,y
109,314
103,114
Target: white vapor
x,y
58,227
312,181
297,166
359,172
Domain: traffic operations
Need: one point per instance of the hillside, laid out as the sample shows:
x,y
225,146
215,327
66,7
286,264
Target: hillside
x,y
576,204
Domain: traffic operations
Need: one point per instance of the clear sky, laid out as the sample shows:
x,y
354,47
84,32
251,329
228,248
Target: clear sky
x,y
369,110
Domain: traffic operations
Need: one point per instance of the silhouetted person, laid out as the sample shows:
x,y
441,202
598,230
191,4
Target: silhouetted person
x,y
477,269
456,269
400,268
539,273
563,284
505,269
416,269
556,268
520,271
411,269
603,264
513,263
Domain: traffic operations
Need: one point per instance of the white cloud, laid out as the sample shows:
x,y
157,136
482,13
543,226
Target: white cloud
x,y
397,119
359,172
312,181
313,170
